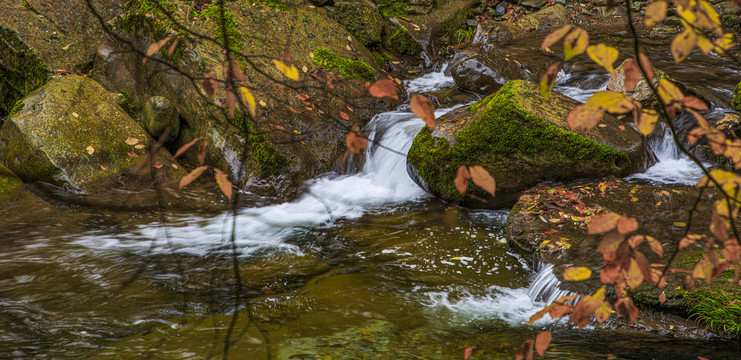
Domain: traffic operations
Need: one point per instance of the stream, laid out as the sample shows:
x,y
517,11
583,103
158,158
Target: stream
x,y
361,266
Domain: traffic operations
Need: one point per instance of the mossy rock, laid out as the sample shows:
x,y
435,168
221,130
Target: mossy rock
x,y
72,134
361,19
10,184
485,72
542,21
521,140
561,239
736,104
402,43
158,115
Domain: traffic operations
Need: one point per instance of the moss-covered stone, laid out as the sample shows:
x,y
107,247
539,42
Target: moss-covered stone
x,y
737,98
21,73
542,21
269,161
521,140
10,184
158,115
361,19
72,134
355,69
392,8
402,43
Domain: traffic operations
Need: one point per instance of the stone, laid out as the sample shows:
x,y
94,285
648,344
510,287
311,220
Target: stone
x,y
486,71
70,133
521,140
361,19
542,21
158,115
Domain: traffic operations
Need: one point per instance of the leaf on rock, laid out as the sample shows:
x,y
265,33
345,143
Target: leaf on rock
x,y
483,179
289,71
210,86
187,179
186,147
224,184
155,47
383,88
461,179
249,100
576,273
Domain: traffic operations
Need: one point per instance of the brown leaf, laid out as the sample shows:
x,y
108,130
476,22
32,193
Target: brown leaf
x,y
603,223
626,309
655,246
187,179
424,109
558,310
173,47
461,179
627,225
155,47
467,353
542,340
609,273
224,184
633,275
235,69
186,147
210,86
662,298
585,117
646,65
586,307
682,45
354,141
538,315
731,250
635,240
655,12
644,266
554,37
202,153
632,74
694,103
685,242
526,351
610,243
231,100
483,179
383,88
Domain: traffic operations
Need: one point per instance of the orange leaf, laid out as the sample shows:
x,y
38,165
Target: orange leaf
x,y
424,109
354,141
224,184
186,147
655,246
554,37
627,309
548,80
187,179
542,340
173,46
344,115
155,47
467,353
694,103
538,315
483,179
526,350
603,223
731,250
209,85
662,298
202,153
461,179
383,88
584,117
627,225
157,165
635,240
302,97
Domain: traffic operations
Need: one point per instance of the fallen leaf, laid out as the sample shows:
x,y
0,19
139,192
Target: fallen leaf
x,y
131,141
90,150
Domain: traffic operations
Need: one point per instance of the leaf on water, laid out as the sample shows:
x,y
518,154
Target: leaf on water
x,y
424,109
682,45
603,223
186,147
155,47
483,179
604,56
461,179
647,121
575,43
627,225
354,141
548,80
526,350
187,179
576,273
655,12
224,184
249,100
554,37
210,86
542,341
131,141
288,71
383,88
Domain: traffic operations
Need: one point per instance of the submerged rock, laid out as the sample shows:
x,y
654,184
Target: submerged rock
x,y
521,140
72,134
549,224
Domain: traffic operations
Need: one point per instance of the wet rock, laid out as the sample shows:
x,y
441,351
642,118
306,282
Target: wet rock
x,y
521,140
72,134
158,115
322,2
543,21
548,224
736,103
533,4
10,184
485,72
501,8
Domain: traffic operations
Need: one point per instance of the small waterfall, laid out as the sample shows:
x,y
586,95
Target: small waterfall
x,y
544,287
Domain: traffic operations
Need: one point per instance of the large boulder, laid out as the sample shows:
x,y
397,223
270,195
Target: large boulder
x,y
486,71
159,115
361,19
521,140
70,133
548,224
543,21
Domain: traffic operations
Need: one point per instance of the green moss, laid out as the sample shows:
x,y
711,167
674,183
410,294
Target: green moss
x,y
381,58
151,17
267,158
18,107
392,8
402,43
502,135
736,104
22,72
349,68
30,7
715,309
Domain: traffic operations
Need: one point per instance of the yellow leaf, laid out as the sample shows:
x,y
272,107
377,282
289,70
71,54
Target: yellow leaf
x,y
131,141
248,99
604,56
647,121
224,184
553,37
682,45
723,44
90,150
574,273
289,71
548,80
669,92
262,103
575,43
140,146
705,45
655,12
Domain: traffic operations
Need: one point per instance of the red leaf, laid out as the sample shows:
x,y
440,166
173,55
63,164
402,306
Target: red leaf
x,y
187,179
694,103
133,155
344,115
461,179
383,88
526,351
542,340
467,353
302,97
157,165
424,109
209,85
354,141
202,153
186,147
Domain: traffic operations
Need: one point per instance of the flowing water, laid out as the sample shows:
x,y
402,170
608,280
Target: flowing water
x,y
361,266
